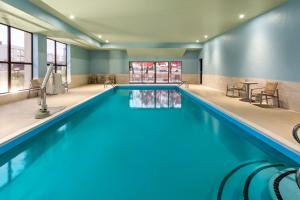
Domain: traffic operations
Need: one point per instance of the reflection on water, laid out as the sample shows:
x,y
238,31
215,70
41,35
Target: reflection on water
x,y
12,164
154,99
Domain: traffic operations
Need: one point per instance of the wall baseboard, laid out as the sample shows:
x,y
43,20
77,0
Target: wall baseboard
x,y
289,92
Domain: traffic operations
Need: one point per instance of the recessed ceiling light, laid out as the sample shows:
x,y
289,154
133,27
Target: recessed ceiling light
x,y
197,41
205,36
242,16
72,17
107,41
99,36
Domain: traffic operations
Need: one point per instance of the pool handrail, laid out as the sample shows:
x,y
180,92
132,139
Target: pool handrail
x,y
295,133
298,177
296,137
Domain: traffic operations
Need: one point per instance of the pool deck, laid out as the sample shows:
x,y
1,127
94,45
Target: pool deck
x,y
277,123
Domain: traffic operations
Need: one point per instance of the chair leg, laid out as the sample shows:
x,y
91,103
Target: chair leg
x,y
278,101
260,100
28,96
267,101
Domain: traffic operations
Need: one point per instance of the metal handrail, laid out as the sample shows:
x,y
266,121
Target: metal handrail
x,y
182,83
295,133
298,177
296,137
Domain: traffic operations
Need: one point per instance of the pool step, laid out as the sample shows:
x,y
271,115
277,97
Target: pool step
x,y
249,181
283,185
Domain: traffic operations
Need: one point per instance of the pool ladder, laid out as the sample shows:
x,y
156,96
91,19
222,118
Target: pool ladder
x,y
296,137
183,83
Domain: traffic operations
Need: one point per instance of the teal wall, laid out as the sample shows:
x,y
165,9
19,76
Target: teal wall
x,y
107,62
117,61
80,60
39,55
266,47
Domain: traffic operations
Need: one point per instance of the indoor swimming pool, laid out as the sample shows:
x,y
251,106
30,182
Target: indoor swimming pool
x,y
134,143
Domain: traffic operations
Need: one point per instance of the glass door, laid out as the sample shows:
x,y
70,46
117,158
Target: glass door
x,y
162,72
135,72
148,72
175,71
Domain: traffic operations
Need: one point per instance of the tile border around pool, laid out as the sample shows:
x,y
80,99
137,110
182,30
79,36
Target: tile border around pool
x,y
280,144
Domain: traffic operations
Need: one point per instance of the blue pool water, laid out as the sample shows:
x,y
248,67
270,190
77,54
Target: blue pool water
x,y
132,145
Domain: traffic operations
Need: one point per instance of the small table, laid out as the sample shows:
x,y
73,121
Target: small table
x,y
248,83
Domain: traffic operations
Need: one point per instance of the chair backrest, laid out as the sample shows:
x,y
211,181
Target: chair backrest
x,y
271,87
112,78
35,83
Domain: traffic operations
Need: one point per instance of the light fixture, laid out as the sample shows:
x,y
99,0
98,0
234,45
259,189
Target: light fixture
x,y
242,16
72,17
197,41
107,41
205,36
99,36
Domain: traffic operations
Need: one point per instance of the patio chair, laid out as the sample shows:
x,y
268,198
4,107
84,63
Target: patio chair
x,y
110,80
35,85
270,91
100,79
235,87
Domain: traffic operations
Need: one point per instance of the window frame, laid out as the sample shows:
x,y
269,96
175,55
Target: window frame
x,y
155,72
9,61
55,57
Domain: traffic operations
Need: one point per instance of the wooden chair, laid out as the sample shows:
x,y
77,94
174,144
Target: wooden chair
x,y
270,91
35,85
110,80
92,79
235,87
100,79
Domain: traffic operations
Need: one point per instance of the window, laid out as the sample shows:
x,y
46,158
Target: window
x,y
15,59
155,72
57,56
162,72
175,72
135,71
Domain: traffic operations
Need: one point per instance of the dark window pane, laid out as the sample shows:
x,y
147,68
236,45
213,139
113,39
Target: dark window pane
x,y
175,72
50,51
21,45
20,77
3,78
3,43
61,53
162,72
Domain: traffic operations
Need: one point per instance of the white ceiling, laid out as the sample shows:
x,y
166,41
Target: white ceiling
x,y
147,21
14,17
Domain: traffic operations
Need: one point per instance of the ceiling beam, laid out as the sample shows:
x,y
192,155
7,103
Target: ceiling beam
x,y
28,7
152,45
